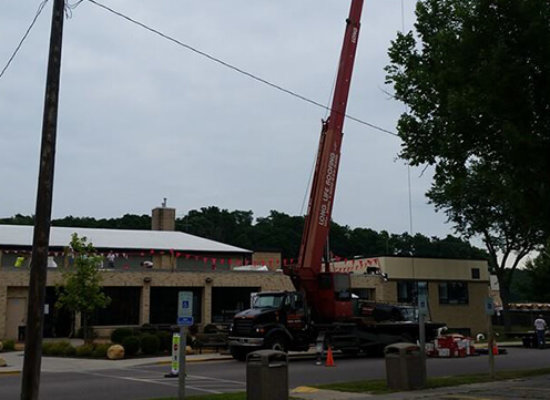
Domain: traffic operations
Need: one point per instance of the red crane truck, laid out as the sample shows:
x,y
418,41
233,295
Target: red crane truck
x,y
322,310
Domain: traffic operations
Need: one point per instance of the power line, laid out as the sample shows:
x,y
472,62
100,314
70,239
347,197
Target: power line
x,y
40,8
234,68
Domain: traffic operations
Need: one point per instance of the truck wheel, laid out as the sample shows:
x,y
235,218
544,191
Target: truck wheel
x,y
278,343
239,353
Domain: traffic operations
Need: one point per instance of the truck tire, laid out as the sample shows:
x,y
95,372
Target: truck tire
x,y
277,342
239,353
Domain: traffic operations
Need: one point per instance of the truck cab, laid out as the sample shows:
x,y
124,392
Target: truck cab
x,y
277,320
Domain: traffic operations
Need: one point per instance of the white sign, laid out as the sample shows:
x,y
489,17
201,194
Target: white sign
x,y
185,308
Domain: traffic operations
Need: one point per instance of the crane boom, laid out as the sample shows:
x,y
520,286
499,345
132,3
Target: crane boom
x,y
308,274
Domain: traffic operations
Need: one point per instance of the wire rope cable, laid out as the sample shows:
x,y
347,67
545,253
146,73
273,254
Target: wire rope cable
x,y
18,47
235,68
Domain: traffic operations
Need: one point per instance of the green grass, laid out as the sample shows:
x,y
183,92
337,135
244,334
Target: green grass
x,y
223,396
378,386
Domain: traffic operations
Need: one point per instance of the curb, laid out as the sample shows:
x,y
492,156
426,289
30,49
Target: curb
x,y
196,360
10,372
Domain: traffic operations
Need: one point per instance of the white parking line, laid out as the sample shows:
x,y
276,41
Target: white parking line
x,y
217,379
127,378
191,379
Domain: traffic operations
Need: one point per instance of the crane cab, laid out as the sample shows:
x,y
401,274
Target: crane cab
x,y
333,298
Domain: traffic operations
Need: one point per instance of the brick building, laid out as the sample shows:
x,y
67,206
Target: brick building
x,y
149,268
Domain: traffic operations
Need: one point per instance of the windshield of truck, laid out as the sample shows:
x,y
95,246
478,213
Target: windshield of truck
x,y
268,301
409,313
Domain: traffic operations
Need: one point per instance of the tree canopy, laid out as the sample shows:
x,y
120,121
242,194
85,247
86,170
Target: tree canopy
x,y
81,290
282,232
475,76
539,273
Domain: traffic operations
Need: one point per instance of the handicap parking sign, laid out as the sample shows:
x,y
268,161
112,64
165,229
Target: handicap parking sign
x,y
185,308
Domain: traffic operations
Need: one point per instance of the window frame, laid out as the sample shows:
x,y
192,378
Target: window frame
x,y
452,295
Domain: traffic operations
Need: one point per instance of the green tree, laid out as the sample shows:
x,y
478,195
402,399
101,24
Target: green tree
x,y
279,231
478,95
81,291
18,219
539,272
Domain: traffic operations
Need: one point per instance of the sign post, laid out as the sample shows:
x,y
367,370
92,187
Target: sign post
x,y
423,311
185,319
490,311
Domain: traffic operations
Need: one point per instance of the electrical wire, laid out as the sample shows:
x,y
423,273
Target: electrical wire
x,y
38,12
234,68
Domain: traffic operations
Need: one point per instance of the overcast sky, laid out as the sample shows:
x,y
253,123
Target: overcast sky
x,y
141,118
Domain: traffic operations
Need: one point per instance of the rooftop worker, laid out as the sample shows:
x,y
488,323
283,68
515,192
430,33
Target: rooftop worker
x,y
540,328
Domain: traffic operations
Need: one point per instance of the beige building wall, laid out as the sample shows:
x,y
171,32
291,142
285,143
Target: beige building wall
x,y
271,259
383,292
13,284
459,316
434,271
432,268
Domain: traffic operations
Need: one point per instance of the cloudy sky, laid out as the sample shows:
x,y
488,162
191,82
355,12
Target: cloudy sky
x,y
141,118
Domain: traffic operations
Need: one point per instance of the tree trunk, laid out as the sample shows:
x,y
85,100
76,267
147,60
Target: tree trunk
x,y
85,333
504,286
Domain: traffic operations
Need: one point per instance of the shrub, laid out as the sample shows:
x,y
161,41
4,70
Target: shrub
x,y
70,351
100,350
9,345
210,328
118,335
165,339
148,328
47,349
84,350
131,345
150,344
56,348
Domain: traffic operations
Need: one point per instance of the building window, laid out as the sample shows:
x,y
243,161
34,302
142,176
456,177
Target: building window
x,y
453,293
407,291
227,301
475,273
164,304
122,310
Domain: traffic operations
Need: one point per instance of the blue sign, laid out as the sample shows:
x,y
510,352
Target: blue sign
x,y
185,308
185,321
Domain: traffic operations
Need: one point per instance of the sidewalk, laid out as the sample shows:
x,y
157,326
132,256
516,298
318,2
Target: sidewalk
x,y
14,360
536,388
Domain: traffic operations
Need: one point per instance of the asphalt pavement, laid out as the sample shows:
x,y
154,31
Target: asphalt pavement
x,y
526,388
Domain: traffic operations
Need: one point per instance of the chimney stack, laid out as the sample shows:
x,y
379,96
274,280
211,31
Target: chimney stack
x,y
164,218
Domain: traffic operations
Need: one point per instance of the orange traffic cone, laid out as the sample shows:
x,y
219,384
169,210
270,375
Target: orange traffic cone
x,y
330,360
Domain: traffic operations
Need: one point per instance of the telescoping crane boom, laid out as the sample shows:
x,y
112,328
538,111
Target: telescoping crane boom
x,y
321,310
328,292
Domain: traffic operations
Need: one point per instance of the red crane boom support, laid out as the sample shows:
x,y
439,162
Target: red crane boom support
x,y
322,288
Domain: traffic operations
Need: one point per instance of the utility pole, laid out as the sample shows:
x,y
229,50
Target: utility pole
x,y
30,381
